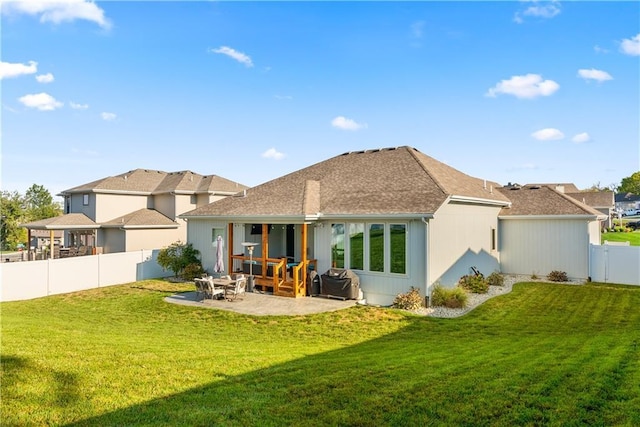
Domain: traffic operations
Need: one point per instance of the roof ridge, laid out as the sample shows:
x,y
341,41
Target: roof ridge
x,y
412,151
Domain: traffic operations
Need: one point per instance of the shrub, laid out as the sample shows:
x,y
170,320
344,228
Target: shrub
x,y
495,279
192,271
177,256
408,301
557,276
474,283
448,297
534,276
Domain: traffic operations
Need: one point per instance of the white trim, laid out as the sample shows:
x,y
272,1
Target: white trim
x,y
476,200
530,217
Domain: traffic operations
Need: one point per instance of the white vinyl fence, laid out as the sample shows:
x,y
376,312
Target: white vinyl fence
x,y
35,279
615,264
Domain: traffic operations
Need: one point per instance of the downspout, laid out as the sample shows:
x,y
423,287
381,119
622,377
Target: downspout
x,y
427,296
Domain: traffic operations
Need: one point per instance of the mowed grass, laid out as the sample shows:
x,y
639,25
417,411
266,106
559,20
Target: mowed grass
x,y
545,354
633,237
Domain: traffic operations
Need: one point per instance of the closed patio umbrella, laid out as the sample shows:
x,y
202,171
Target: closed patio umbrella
x,y
219,267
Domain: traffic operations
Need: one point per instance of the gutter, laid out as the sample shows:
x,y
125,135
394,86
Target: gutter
x,y
585,217
476,200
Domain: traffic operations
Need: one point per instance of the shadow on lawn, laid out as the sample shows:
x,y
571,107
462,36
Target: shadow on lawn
x,y
14,369
406,379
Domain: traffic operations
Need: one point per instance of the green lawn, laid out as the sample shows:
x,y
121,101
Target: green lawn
x,y
545,354
632,237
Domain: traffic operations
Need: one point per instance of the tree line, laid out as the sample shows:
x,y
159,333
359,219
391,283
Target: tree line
x,y
16,209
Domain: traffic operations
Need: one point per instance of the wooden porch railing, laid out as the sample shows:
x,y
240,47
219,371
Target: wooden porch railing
x,y
297,284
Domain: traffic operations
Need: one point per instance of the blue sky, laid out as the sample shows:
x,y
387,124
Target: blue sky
x,y
525,92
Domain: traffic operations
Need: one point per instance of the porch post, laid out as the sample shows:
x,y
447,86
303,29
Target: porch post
x,y
230,246
265,248
304,256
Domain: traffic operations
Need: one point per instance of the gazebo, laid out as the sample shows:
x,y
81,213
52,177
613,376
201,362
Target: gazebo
x,y
80,228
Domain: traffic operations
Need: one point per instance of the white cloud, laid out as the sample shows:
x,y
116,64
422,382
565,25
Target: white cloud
x,y
274,154
344,123
599,49
594,74
41,101
527,86
59,11
78,106
581,138
232,53
8,69
108,116
548,134
631,46
546,11
45,78
417,29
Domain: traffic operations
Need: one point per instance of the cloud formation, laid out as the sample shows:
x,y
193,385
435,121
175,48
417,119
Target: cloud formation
x,y
546,11
232,53
45,78
581,138
58,12
527,86
274,154
9,70
41,101
108,116
344,123
594,74
631,46
78,106
548,134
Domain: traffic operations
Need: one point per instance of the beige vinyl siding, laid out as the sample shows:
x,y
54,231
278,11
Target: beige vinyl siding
x,y
165,204
199,234
151,238
113,240
116,205
460,237
539,246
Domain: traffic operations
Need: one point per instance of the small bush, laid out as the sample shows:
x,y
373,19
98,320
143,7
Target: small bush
x,y
192,271
557,276
474,283
495,279
534,276
408,301
448,297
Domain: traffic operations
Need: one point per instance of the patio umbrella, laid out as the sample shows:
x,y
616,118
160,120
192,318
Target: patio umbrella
x,y
219,267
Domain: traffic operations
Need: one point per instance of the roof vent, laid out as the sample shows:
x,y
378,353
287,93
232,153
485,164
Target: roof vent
x,y
535,187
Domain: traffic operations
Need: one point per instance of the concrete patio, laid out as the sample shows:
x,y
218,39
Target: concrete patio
x,y
262,304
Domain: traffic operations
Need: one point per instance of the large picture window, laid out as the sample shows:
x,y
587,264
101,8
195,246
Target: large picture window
x,y
398,238
376,247
337,245
356,246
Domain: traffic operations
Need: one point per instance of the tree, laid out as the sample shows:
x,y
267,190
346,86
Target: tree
x,y
177,256
630,184
39,203
597,187
13,214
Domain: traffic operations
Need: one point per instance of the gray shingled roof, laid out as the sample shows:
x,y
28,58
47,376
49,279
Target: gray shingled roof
x,y
542,200
596,199
386,181
147,218
63,222
145,181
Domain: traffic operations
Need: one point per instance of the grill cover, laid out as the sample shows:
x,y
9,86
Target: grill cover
x,y
340,283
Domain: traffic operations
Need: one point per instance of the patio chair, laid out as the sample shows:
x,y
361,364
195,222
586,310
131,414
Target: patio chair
x,y
232,292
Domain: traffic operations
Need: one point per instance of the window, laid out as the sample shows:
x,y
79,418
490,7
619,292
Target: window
x,y
337,245
356,246
376,247
85,200
193,199
398,238
494,239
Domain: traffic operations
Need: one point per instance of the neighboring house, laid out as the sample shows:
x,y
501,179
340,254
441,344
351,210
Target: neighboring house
x,y
602,201
135,210
626,201
41,238
545,230
396,217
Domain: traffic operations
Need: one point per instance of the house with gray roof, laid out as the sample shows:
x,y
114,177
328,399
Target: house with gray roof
x,y
396,217
135,210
